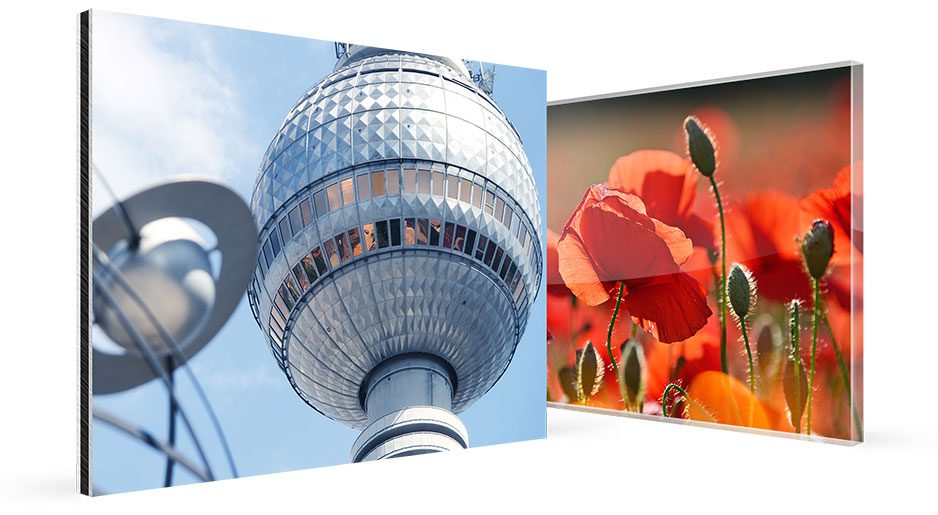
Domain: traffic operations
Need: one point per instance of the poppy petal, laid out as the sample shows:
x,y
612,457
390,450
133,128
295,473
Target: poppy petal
x,y
835,204
700,231
625,247
576,269
678,244
555,285
672,307
660,177
717,397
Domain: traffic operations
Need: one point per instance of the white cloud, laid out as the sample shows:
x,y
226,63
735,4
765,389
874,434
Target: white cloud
x,y
162,105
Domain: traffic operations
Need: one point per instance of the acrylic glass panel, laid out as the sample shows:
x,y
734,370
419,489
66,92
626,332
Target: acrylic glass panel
x,y
656,197
334,250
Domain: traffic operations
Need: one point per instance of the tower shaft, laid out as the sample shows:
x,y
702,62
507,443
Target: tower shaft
x,y
408,399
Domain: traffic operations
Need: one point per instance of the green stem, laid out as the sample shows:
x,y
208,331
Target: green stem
x,y
796,353
612,323
664,396
843,373
814,326
752,373
723,360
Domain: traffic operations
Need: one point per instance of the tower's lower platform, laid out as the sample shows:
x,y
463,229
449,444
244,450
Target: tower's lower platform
x,y
408,400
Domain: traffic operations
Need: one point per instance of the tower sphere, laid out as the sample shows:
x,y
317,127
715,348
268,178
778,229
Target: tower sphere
x,y
399,244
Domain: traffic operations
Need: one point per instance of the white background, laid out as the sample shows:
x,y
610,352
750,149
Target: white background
x,y
590,464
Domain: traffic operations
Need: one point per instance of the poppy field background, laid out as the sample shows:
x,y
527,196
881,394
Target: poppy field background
x,y
634,236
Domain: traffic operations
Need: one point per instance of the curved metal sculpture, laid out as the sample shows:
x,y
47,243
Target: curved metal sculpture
x,y
158,298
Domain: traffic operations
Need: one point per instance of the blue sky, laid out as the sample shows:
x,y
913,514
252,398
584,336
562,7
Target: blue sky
x,y
171,98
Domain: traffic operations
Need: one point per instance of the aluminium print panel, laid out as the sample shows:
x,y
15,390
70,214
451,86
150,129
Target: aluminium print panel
x,y
302,253
705,253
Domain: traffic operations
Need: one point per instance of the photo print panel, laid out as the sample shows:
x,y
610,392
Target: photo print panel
x,y
705,253
300,253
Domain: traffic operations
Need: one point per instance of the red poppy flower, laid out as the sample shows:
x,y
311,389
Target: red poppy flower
x,y
555,285
667,184
837,205
761,234
611,239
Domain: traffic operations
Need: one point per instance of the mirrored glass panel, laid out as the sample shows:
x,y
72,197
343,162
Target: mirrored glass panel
x,y
435,227
322,205
394,228
384,238
409,231
310,268
331,253
394,182
423,182
306,211
364,187
422,231
368,236
301,278
410,181
438,180
319,260
355,241
377,183
348,191
334,194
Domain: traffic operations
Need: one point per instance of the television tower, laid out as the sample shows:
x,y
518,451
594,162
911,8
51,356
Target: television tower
x,y
399,247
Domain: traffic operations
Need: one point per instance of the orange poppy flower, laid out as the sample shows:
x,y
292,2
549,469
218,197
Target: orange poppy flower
x,y
761,234
836,205
610,239
776,408
717,397
667,184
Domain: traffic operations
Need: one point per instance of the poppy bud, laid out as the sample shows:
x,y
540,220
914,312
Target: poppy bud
x,y
741,290
818,247
795,388
589,372
631,375
567,376
794,378
700,146
794,322
768,346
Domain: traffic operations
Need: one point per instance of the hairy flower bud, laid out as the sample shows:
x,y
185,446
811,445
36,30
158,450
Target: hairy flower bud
x,y
700,146
741,290
632,375
589,371
567,377
794,379
817,247
794,324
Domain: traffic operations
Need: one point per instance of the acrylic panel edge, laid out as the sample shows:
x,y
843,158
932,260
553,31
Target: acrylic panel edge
x,y
706,82
83,158
698,423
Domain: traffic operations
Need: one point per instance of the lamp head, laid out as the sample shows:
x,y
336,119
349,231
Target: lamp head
x,y
171,272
